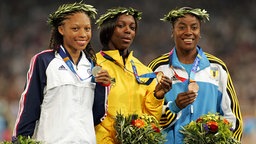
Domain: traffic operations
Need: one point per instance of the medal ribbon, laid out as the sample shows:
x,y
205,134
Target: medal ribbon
x,y
151,76
192,73
175,74
69,63
193,70
195,66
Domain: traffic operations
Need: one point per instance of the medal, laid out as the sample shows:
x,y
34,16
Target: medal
x,y
95,70
193,86
159,76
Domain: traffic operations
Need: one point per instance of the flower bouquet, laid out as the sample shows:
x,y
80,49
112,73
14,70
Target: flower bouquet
x,y
209,129
22,140
134,129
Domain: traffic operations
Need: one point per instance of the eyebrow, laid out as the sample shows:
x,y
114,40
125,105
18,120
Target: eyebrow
x,y
182,23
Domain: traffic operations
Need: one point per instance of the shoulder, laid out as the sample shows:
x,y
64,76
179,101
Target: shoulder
x,y
215,60
43,57
98,55
46,53
138,62
158,61
100,58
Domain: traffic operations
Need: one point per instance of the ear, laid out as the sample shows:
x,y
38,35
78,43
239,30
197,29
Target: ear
x,y
171,32
60,29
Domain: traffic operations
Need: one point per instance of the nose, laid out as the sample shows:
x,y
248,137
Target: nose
x,y
188,31
128,30
83,33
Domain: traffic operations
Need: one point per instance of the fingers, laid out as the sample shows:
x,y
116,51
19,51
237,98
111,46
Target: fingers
x,y
165,83
103,77
186,98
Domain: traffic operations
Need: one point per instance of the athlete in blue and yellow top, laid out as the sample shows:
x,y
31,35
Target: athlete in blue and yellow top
x,y
133,88
201,82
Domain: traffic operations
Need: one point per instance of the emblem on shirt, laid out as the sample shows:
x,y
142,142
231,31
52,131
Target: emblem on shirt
x,y
62,67
113,81
214,71
89,71
173,78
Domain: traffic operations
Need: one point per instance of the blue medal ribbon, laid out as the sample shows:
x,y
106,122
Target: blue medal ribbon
x,y
195,66
69,63
151,76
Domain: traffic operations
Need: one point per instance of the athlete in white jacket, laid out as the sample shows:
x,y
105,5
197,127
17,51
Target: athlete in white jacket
x,y
62,100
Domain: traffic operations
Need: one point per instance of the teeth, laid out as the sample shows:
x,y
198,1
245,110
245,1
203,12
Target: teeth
x,y
188,40
81,42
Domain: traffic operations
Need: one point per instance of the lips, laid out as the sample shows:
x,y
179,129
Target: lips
x,y
81,42
126,39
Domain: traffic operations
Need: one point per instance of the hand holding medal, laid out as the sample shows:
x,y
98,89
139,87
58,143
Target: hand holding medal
x,y
159,76
193,86
186,98
95,70
101,75
163,86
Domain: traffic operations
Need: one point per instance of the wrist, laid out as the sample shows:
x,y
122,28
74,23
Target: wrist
x,y
158,95
106,85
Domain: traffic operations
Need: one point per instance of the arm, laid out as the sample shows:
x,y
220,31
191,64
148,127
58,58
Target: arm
x,y
170,111
168,117
100,96
31,99
100,103
152,104
229,104
231,108
155,102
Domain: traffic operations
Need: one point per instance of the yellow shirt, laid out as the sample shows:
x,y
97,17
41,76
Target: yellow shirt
x,y
126,95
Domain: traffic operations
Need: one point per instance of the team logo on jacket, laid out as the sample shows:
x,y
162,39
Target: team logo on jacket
x,y
214,71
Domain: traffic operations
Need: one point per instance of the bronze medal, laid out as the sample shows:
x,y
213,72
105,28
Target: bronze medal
x,y
193,86
159,76
95,70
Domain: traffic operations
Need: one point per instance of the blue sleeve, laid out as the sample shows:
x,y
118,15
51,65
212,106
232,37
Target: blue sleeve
x,y
99,105
32,97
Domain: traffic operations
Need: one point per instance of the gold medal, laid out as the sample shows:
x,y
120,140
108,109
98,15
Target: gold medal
x,y
193,86
95,70
159,76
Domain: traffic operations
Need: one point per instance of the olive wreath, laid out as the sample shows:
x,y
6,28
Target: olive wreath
x,y
65,9
111,13
176,13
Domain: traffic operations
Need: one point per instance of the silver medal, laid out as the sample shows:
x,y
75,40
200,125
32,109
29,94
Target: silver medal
x,y
95,70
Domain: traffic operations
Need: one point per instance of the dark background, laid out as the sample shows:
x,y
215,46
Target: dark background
x,y
230,35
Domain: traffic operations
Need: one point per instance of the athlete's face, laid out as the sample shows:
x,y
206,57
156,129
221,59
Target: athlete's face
x,y
76,31
186,32
124,33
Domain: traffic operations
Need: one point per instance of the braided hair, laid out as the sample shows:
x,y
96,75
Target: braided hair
x,y
56,19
